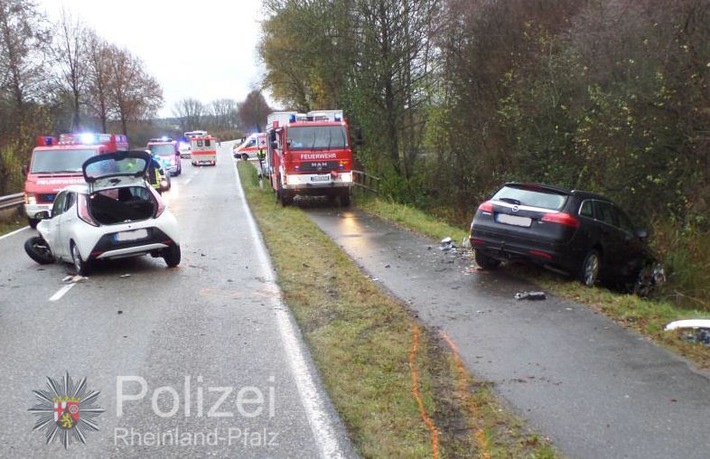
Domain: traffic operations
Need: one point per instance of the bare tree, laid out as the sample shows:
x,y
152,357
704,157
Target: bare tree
x,y
70,52
99,62
189,113
224,114
134,94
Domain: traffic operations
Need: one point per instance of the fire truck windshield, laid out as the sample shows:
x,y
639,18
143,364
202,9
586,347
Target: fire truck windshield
x,y
53,161
317,137
163,150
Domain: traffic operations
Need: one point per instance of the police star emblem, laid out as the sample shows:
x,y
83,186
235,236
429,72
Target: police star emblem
x,y
66,410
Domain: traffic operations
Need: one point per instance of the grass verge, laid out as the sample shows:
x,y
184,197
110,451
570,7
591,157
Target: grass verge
x,y
646,316
11,221
399,388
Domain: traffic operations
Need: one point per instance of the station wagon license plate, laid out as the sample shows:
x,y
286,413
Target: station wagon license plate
x,y
514,220
131,235
320,178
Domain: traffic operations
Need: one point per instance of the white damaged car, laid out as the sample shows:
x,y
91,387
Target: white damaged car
x,y
115,214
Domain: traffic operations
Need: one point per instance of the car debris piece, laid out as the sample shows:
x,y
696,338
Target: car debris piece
x,y
447,244
700,330
689,323
530,296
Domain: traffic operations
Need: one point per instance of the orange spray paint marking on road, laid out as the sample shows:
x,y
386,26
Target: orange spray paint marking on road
x,y
417,394
462,387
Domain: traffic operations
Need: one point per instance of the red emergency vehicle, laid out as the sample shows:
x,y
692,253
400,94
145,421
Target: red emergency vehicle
x,y
56,163
309,154
203,150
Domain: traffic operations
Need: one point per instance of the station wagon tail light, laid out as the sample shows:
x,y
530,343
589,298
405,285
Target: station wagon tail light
x,y
83,211
561,218
486,207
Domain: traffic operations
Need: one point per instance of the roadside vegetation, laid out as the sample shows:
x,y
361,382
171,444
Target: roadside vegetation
x,y
647,316
399,387
11,221
454,98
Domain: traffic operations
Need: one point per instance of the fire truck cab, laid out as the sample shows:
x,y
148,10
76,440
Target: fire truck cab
x,y
56,164
203,150
309,154
167,151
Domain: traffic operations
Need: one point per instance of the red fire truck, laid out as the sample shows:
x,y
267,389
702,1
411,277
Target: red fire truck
x,y
203,149
309,154
56,163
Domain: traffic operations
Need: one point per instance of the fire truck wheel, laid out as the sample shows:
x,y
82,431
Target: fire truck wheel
x,y
245,156
38,249
284,198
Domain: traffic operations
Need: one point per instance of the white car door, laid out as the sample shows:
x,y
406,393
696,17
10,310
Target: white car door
x,y
53,235
66,222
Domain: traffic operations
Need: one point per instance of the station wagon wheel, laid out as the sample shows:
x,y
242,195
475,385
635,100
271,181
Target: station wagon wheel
x,y
38,249
590,269
81,267
484,261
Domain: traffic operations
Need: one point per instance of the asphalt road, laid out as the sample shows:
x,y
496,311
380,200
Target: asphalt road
x,y
594,388
201,360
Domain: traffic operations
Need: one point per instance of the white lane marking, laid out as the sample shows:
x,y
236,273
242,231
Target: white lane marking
x,y
321,426
13,232
61,292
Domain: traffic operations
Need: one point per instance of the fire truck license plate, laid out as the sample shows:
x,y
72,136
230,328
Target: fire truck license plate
x,y
320,178
131,235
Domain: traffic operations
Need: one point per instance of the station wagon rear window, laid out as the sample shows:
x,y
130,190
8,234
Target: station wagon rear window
x,y
546,199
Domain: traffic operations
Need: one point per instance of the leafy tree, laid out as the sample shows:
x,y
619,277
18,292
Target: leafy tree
x,y
253,112
23,53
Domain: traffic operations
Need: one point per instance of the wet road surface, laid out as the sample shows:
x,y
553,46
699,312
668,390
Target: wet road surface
x,y
594,388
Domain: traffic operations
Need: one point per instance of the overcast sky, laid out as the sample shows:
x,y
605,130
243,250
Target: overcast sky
x,y
201,49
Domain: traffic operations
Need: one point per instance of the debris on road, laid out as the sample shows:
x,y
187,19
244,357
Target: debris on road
x,y
123,276
688,323
530,296
700,330
447,244
74,279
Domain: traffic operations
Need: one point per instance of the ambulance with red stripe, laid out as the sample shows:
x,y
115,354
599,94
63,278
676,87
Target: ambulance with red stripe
x,y
203,150
56,163
249,149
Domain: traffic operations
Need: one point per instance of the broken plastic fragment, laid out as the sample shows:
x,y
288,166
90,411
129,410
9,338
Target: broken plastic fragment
x,y
447,244
689,323
530,296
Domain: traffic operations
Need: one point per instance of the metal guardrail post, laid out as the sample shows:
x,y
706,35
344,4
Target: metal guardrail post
x,y
366,181
12,200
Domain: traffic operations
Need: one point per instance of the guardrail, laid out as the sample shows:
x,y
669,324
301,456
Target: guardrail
x,y
12,200
366,181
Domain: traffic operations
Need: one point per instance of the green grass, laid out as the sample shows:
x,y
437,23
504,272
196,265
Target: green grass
x,y
11,221
370,351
